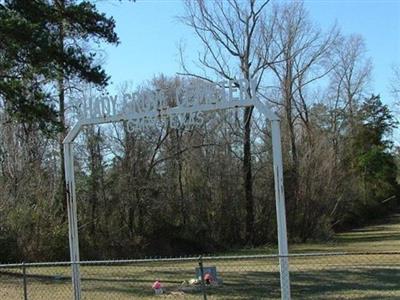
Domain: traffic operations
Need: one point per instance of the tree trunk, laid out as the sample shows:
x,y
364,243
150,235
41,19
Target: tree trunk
x,y
248,177
180,181
293,187
62,134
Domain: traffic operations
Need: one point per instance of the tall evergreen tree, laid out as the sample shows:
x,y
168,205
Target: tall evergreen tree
x,y
374,161
42,47
33,52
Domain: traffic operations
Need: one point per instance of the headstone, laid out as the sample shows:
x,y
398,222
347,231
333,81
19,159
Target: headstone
x,y
208,270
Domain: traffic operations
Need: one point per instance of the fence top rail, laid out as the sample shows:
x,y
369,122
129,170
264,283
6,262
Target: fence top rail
x,y
193,258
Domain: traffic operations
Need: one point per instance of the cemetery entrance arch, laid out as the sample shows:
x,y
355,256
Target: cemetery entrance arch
x,y
146,109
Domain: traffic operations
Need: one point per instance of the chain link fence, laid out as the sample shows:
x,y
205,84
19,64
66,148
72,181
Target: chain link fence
x,y
313,276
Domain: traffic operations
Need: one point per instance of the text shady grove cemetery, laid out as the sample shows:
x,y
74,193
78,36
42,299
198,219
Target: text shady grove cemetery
x,y
180,108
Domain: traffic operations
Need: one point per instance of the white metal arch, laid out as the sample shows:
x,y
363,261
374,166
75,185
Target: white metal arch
x,y
277,165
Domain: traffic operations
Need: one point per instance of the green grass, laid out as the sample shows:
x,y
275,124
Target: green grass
x,y
380,237
317,277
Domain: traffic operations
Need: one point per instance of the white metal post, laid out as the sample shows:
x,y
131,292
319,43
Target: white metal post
x,y
72,219
280,210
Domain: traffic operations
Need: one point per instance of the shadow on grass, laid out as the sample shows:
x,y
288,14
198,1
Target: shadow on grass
x,y
368,283
360,283
369,237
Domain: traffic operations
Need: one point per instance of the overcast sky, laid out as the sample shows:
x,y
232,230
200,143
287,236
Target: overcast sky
x,y
150,34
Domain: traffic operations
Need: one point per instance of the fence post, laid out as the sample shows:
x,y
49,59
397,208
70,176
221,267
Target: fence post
x,y
203,287
24,281
280,210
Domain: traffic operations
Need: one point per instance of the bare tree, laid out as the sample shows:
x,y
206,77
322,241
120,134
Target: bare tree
x,y
349,79
236,36
348,85
395,83
303,50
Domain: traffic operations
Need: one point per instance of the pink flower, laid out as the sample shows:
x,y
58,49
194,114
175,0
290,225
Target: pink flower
x,y
208,278
156,285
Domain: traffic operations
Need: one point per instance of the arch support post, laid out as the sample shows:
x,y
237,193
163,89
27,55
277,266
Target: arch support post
x,y
280,210
72,219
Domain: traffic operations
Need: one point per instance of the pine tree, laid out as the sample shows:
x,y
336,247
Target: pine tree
x,y
35,55
41,49
374,160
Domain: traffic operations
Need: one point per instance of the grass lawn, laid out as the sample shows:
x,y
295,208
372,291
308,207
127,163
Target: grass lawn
x,y
383,236
355,276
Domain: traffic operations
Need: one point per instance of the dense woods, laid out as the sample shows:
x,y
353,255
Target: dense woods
x,y
169,191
